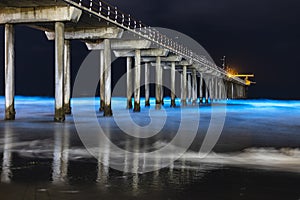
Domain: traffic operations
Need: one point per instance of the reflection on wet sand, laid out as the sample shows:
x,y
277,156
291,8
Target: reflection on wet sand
x,y
132,163
135,166
103,162
60,155
6,173
104,180
42,160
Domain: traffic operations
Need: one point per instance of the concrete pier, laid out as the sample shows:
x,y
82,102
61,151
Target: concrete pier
x,y
206,90
67,78
242,89
147,85
162,87
107,77
129,82
23,13
158,83
189,87
200,89
102,82
216,88
59,72
93,38
231,91
194,87
225,94
9,72
173,70
240,92
211,88
184,86
181,87
71,22
137,81
211,93
220,90
165,58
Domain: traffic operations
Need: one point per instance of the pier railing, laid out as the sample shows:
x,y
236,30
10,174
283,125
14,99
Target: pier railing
x,y
112,14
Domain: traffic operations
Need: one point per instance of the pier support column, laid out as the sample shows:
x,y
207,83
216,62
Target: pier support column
x,y
59,72
173,104
221,89
162,87
181,86
137,81
206,90
189,86
147,85
158,83
216,88
102,81
184,86
194,74
129,83
226,95
241,92
67,78
211,89
237,88
221,97
244,92
232,90
107,77
201,89
9,72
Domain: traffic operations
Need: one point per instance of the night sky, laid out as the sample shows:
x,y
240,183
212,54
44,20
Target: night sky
x,y
257,36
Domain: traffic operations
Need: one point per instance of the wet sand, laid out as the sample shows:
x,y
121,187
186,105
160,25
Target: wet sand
x,y
256,157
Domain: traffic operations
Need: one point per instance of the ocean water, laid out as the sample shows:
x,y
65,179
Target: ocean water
x,y
256,155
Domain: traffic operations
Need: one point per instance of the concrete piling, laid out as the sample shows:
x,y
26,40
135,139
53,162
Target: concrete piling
x,y
107,77
67,78
173,104
129,82
220,90
137,81
184,86
162,87
211,90
158,83
216,87
147,86
194,87
232,91
206,92
9,72
102,82
189,87
59,72
200,89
